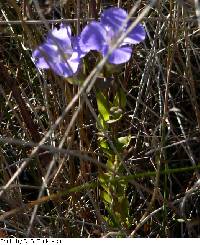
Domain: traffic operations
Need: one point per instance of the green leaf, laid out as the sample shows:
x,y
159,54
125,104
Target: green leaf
x,y
120,99
103,180
106,197
124,205
124,142
103,106
115,114
103,143
121,189
101,124
110,163
104,146
75,80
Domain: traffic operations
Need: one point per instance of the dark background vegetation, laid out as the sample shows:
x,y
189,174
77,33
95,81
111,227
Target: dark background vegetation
x,y
162,115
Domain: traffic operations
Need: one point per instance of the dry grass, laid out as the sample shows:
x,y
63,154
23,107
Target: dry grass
x,y
50,156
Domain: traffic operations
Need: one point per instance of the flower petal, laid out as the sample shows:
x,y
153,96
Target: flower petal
x,y
46,54
57,54
93,37
48,50
76,47
137,35
64,32
120,55
61,37
68,68
113,17
74,62
39,61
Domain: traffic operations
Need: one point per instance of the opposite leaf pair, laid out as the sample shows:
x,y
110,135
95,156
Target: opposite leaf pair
x,y
62,52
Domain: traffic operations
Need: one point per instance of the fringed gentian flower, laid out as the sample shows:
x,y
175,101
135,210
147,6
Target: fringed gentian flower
x,y
60,52
101,35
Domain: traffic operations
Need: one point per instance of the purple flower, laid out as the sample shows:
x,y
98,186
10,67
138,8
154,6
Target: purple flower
x,y
60,52
101,35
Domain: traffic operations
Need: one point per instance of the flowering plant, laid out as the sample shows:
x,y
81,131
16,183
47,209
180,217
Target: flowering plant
x,y
101,35
62,52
